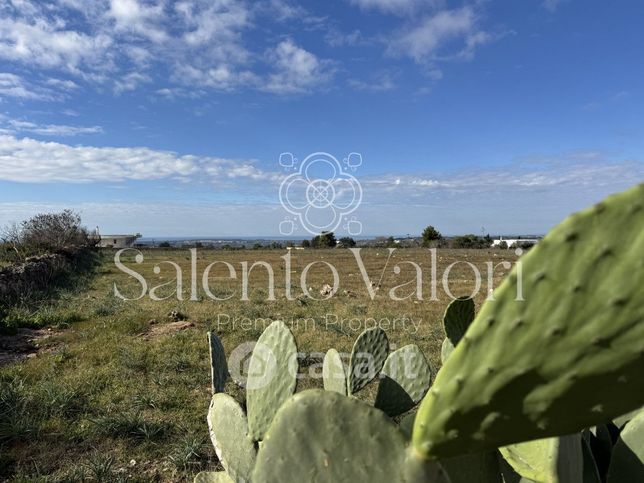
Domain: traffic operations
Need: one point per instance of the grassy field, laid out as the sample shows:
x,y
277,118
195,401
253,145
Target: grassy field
x,y
111,397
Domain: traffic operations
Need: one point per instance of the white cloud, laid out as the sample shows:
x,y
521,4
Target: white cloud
x,y
576,171
283,10
30,160
551,5
396,6
221,77
296,70
62,84
11,126
130,82
137,18
425,41
379,83
12,85
335,38
124,44
48,43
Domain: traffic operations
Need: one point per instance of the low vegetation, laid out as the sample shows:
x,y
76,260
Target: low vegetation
x,y
106,396
43,258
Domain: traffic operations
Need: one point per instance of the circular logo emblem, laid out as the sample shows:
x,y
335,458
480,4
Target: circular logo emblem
x,y
321,193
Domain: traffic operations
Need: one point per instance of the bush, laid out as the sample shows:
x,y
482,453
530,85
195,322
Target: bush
x,y
306,244
47,233
326,239
430,235
347,242
470,241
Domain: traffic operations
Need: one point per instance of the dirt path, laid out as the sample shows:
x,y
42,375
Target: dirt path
x,y
25,343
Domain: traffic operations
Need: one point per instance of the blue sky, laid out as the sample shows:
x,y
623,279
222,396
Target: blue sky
x,y
169,117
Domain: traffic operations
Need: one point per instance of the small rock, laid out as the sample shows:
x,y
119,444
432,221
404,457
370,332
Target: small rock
x,y
177,316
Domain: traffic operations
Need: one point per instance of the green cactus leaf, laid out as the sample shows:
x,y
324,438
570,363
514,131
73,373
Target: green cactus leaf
x,y
458,317
446,349
368,355
621,421
405,379
406,424
334,373
229,434
212,477
420,470
508,475
567,356
590,470
323,436
627,462
272,377
218,365
548,460
601,439
475,467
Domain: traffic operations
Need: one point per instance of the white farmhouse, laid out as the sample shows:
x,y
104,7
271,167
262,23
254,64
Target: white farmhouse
x,y
513,242
118,241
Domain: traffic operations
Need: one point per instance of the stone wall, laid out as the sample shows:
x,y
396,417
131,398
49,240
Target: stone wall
x,y
20,281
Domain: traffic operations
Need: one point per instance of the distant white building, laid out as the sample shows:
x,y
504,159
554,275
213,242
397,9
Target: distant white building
x,y
118,241
513,242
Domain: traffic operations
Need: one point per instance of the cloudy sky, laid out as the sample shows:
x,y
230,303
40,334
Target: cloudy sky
x,y
169,117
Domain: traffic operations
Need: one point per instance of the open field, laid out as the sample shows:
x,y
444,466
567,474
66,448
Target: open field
x,y
111,397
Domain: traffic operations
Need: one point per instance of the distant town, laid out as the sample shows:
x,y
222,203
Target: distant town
x,y
242,243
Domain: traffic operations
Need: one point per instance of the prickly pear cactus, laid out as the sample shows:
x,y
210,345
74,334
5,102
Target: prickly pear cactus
x,y
621,421
446,350
626,463
334,373
475,467
549,460
458,317
567,356
272,377
213,477
367,358
218,365
590,472
323,436
229,434
405,379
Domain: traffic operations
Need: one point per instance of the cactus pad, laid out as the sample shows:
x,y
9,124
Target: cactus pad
x,y
458,317
475,467
549,460
334,373
367,358
229,434
323,436
620,421
272,377
566,357
212,477
218,365
626,464
405,379
446,349
591,473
